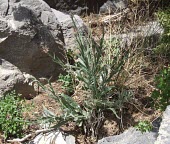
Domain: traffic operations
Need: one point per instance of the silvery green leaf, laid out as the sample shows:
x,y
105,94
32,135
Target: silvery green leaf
x,y
114,112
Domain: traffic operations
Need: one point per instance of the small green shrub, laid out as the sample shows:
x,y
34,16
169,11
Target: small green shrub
x,y
161,95
164,44
11,120
67,82
144,126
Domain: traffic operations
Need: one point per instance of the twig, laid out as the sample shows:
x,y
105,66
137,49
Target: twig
x,y
112,17
30,135
138,108
6,13
121,119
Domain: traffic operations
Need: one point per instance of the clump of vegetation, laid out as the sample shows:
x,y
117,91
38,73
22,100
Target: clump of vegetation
x,y
98,76
164,44
144,126
12,122
161,95
96,72
67,83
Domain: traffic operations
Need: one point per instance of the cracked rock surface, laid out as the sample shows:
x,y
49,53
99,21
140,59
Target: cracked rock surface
x,y
164,130
27,28
130,136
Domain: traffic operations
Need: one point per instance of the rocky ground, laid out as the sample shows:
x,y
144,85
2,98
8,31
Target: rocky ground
x,y
39,31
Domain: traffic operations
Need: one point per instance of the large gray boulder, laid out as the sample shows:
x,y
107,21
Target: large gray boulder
x,y
27,29
68,27
12,78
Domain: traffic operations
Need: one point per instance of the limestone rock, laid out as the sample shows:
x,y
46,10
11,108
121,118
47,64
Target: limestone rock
x,y
27,29
148,33
130,136
12,78
113,6
70,139
164,130
54,137
68,27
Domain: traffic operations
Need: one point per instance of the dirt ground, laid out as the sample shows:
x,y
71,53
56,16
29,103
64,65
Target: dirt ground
x,y
131,114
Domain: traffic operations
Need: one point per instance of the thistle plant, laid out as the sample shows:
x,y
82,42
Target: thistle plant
x,y
97,75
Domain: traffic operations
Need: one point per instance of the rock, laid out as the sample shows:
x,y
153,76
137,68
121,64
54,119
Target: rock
x,y
27,29
87,6
69,28
113,6
70,139
76,6
12,78
54,137
156,124
149,34
164,130
130,136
